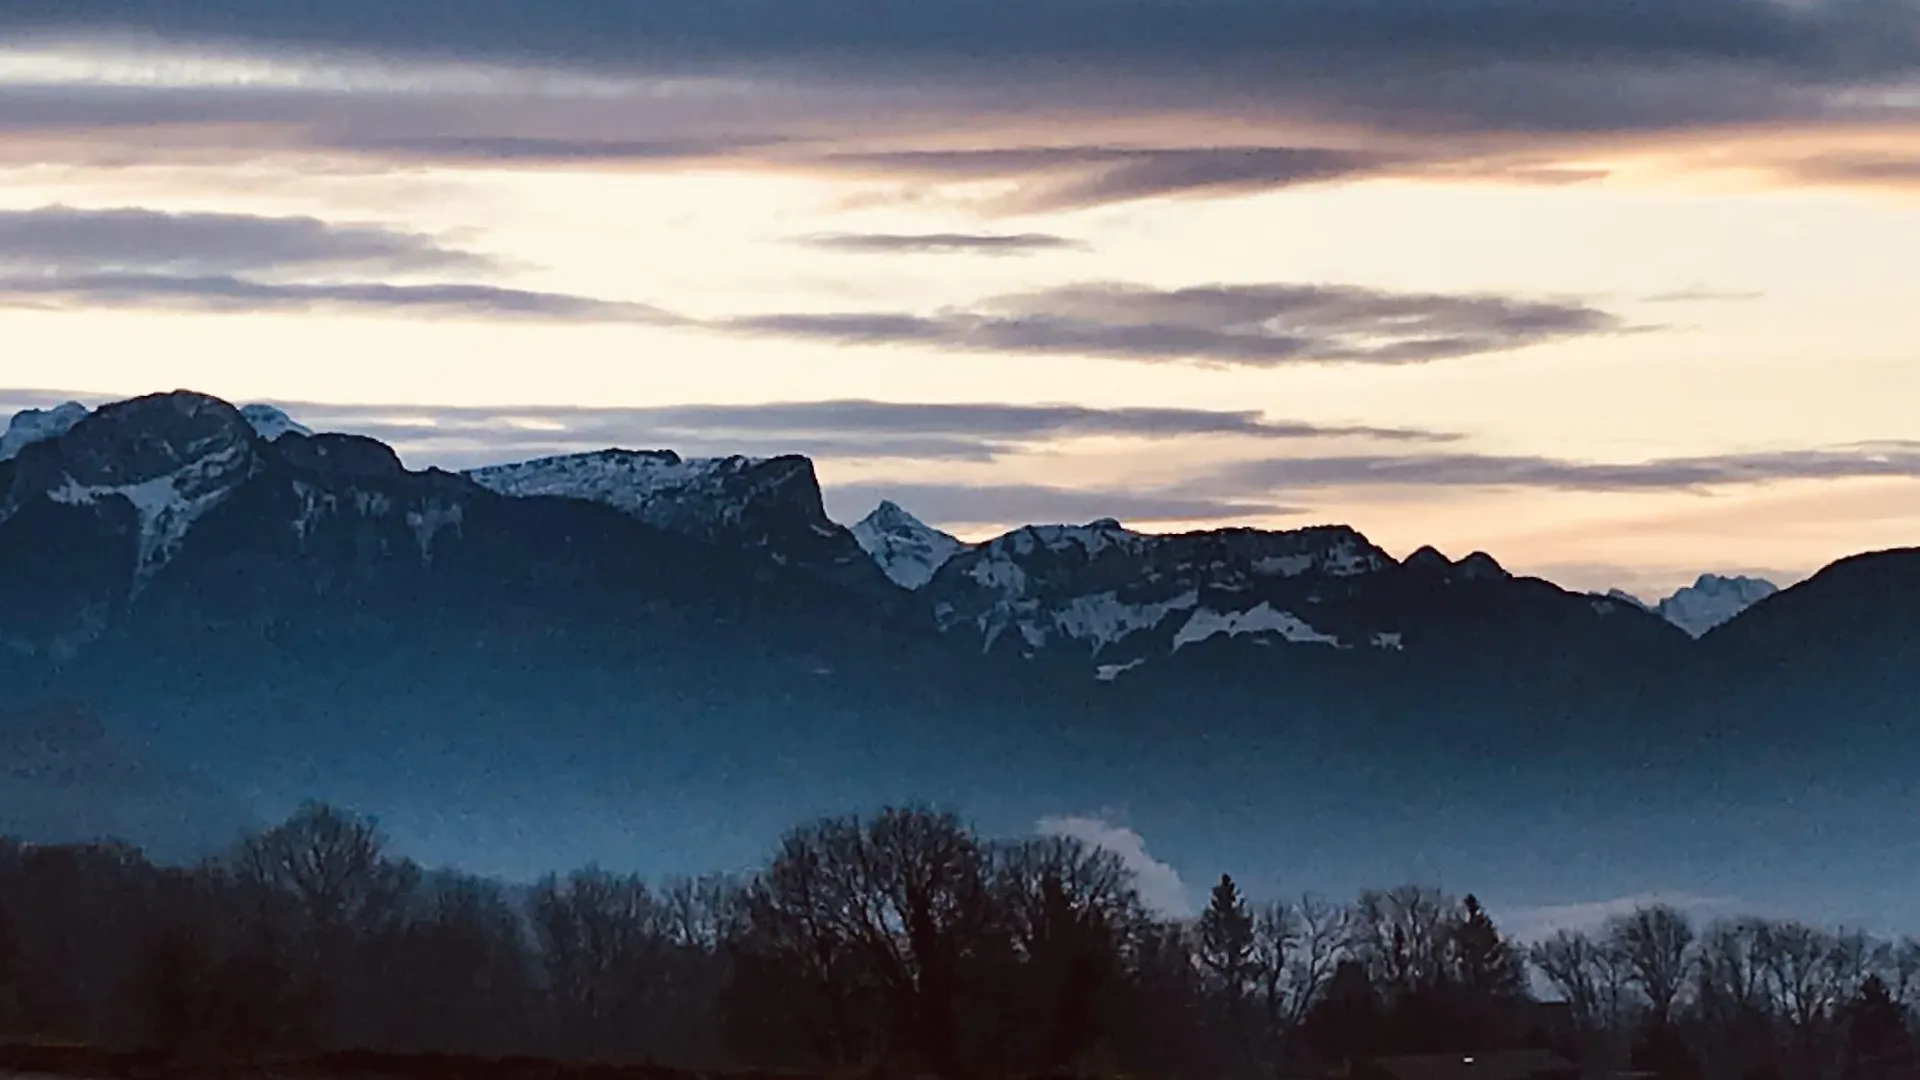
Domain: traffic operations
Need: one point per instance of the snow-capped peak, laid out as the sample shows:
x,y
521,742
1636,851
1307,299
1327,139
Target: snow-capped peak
x,y
270,422
1713,600
907,550
39,425
649,484
169,457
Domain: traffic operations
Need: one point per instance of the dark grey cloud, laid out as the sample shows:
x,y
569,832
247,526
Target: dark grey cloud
x,y
131,258
227,294
1836,36
1253,325
971,505
836,430
942,243
63,240
1458,87
1856,461
1879,170
60,258
462,437
1069,177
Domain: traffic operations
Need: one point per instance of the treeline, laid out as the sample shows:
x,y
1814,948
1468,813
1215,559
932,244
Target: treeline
x,y
902,942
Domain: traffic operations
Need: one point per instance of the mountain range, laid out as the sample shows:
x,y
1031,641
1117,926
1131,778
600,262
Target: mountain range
x,y
627,643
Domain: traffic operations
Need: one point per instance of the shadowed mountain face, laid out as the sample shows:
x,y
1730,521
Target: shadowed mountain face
x,y
661,663
63,778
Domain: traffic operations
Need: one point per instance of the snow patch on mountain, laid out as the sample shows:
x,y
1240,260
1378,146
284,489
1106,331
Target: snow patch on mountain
x,y
1105,619
1712,601
1263,619
630,480
699,497
1097,585
430,520
906,549
269,422
39,425
42,425
169,504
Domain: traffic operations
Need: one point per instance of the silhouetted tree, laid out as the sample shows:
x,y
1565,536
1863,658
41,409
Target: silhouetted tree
x,y
1071,915
599,935
1656,943
1878,1043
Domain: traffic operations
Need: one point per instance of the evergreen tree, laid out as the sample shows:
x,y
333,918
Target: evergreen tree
x,y
1227,939
1877,1041
1486,967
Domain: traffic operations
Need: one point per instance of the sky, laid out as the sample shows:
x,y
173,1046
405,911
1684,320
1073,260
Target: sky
x,y
1619,292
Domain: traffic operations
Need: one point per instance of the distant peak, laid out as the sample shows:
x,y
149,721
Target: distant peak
x,y
906,549
1107,524
1712,600
1429,559
270,422
39,425
1480,566
891,515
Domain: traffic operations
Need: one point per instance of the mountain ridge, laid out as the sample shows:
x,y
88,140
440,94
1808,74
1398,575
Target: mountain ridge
x,y
297,601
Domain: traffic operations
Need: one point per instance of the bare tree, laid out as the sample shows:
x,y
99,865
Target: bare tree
x,y
1591,976
1808,975
329,871
1071,915
335,867
1276,934
600,938
1898,965
1325,937
1402,935
906,896
1576,967
1656,943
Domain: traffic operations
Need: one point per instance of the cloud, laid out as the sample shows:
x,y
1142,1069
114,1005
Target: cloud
x,y
1011,505
1075,103
61,258
1531,924
1700,294
1070,177
1648,581
1158,883
462,437
1863,460
64,258
943,243
1831,39
1864,169
61,239
1248,325
233,294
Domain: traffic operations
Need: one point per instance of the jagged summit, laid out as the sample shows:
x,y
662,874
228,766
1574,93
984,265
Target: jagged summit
x,y
1713,600
1120,597
907,550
